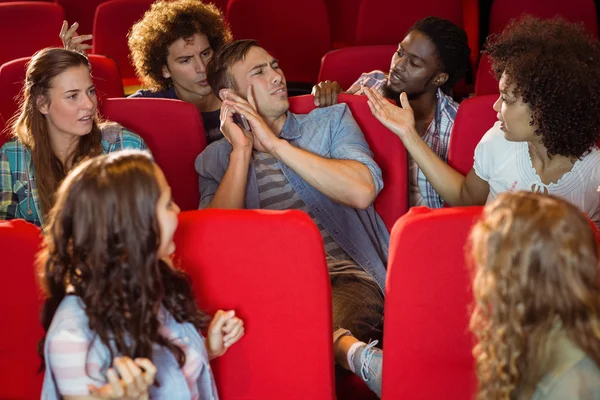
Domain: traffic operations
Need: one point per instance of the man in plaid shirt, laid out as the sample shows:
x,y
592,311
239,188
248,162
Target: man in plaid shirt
x,y
431,59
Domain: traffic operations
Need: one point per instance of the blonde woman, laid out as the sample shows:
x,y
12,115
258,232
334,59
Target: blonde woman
x,y
537,300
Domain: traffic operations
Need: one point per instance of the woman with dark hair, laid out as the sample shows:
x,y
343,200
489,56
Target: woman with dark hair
x,y
56,127
537,297
549,124
114,303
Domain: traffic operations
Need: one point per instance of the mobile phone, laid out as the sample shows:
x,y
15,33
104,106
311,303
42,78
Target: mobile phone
x,y
241,121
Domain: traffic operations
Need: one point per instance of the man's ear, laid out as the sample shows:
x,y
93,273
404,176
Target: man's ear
x,y
440,79
222,93
165,72
42,104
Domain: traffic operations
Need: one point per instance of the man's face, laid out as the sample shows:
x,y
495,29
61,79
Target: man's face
x,y
414,68
186,66
262,71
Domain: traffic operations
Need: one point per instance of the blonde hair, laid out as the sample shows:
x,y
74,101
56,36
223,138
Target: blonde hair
x,y
536,260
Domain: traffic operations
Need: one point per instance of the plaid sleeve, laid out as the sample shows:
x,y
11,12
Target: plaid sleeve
x,y
8,198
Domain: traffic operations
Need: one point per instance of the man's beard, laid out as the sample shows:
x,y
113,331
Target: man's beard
x,y
391,94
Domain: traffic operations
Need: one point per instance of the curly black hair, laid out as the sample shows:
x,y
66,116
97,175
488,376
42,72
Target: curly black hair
x,y
452,46
555,67
166,22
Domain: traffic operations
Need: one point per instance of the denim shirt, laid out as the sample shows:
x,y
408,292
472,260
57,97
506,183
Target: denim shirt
x,y
329,132
18,188
70,316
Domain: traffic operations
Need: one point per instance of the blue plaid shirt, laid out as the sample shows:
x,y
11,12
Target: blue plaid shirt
x,y
437,135
18,189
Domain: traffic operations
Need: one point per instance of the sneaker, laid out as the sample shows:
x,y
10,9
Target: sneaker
x,y
369,361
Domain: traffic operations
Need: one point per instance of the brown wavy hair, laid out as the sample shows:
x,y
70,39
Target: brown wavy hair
x,y
555,67
31,128
536,263
166,22
102,239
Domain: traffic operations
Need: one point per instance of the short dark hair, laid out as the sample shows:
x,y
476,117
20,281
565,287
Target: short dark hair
x,y
218,70
452,45
555,68
165,23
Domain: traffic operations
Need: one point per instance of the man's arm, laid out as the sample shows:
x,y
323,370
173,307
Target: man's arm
x,y
347,182
231,191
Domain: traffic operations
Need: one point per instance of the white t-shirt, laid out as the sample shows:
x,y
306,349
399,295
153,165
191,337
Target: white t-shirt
x,y
506,167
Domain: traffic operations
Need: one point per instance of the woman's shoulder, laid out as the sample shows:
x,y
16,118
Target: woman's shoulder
x,y
113,133
580,381
70,316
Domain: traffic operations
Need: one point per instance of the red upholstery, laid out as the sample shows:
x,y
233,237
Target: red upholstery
x,y
112,22
20,305
387,148
297,34
28,26
270,268
485,82
575,10
346,65
81,12
343,15
174,133
387,21
474,118
12,77
427,341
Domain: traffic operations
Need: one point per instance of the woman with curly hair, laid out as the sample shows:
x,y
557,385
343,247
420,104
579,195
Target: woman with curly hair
x,y
56,127
537,300
170,47
117,314
549,124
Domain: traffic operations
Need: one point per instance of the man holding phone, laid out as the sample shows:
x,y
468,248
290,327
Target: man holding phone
x,y
319,163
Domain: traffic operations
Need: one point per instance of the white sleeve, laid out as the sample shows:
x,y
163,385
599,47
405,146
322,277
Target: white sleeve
x,y
483,162
70,364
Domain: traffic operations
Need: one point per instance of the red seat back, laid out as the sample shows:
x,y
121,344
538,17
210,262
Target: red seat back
x,y
112,23
387,21
474,118
485,82
427,304
20,305
388,151
28,26
270,268
576,11
284,32
174,133
105,75
346,65
81,12
343,15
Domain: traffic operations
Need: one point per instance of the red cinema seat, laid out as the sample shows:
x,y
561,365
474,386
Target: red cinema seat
x,y
427,304
112,23
268,266
485,81
28,26
576,11
474,118
387,148
297,33
20,305
346,65
174,133
343,15
81,12
387,21
105,74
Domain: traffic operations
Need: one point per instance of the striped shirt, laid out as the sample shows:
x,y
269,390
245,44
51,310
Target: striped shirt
x,y
75,357
276,193
437,135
